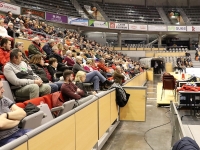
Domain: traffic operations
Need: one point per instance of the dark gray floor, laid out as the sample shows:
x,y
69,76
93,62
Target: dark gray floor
x,y
130,135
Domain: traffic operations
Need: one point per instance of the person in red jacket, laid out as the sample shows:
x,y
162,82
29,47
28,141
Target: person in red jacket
x,y
102,66
5,51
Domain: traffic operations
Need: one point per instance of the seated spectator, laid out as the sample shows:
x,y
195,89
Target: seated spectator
x,y
118,76
55,54
88,65
39,68
4,52
68,59
20,46
48,47
9,18
10,117
20,75
94,76
52,68
35,48
102,66
3,31
69,90
79,79
10,29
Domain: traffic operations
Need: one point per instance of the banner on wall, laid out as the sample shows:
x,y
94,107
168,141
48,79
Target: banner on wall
x,y
78,21
100,24
138,27
157,28
56,18
5,7
37,13
115,25
193,28
176,28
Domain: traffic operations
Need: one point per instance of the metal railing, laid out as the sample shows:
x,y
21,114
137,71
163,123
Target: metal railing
x,y
178,131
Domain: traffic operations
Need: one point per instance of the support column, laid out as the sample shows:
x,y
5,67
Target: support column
x,y
198,39
79,30
147,41
119,39
159,40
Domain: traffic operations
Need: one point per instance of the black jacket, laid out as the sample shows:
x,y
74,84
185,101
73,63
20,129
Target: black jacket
x,y
52,71
77,67
39,70
81,86
59,59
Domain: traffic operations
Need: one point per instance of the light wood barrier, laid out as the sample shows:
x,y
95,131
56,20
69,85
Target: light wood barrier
x,y
138,80
168,67
140,49
104,114
113,107
125,48
150,74
135,109
117,48
132,49
149,54
147,49
59,136
87,127
154,49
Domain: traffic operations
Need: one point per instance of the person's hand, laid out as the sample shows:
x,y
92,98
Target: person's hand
x,y
4,115
94,92
78,90
38,82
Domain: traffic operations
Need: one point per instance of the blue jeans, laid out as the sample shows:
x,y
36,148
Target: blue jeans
x,y
55,86
95,77
14,136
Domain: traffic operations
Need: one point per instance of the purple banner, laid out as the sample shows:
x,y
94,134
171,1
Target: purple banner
x,y
56,18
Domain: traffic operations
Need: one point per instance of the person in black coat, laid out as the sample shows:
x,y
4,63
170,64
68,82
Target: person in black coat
x,y
52,67
55,54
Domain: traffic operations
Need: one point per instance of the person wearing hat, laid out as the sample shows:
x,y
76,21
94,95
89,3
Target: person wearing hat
x,y
35,48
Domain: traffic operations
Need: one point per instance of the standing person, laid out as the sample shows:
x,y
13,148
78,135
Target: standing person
x,y
156,67
19,74
10,117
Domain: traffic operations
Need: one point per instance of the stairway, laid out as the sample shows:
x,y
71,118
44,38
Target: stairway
x,y
196,64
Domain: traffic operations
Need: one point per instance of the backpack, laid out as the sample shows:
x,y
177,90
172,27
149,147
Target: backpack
x,y
121,96
186,143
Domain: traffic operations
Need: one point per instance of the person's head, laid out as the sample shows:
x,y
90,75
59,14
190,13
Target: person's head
x,y
36,40
55,49
19,45
66,47
89,62
53,62
60,46
1,89
9,14
6,44
80,76
68,76
10,25
1,22
69,53
118,69
102,60
51,42
37,59
16,56
79,59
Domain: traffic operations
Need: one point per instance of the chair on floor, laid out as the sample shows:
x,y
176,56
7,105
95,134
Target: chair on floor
x,y
169,83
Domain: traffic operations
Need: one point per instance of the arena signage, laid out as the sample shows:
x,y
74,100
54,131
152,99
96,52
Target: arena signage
x,y
177,28
56,18
137,27
116,25
5,7
193,28
100,24
78,21
37,13
157,28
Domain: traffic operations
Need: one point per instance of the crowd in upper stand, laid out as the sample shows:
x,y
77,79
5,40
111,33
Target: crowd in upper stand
x,y
59,65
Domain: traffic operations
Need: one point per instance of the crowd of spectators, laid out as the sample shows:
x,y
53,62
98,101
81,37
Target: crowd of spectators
x,y
57,66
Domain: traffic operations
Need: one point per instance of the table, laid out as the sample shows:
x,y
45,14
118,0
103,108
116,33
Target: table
x,y
190,100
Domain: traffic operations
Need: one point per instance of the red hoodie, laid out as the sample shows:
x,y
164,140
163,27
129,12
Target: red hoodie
x,y
4,56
